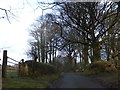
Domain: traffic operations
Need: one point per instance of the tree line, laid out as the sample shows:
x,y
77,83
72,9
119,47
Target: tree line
x,y
88,30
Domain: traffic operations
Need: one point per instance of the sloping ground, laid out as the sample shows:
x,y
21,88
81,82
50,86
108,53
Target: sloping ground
x,y
14,81
0,79
109,80
75,80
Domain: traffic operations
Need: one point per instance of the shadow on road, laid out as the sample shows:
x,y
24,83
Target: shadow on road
x,y
75,80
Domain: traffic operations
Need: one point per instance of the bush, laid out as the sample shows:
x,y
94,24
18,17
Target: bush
x,y
117,64
82,67
101,66
58,65
36,69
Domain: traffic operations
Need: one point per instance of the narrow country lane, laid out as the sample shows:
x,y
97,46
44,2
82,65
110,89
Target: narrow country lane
x,y
75,80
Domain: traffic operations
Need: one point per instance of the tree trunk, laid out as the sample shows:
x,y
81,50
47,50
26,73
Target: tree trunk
x,y
50,51
53,51
46,57
85,49
50,57
80,57
70,61
85,54
96,52
38,52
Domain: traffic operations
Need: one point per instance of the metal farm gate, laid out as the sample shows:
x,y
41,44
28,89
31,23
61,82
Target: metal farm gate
x,y
10,70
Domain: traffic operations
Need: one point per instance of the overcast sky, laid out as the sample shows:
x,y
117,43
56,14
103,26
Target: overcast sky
x,y
14,37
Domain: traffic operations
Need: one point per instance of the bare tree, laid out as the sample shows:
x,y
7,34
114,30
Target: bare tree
x,y
45,34
89,20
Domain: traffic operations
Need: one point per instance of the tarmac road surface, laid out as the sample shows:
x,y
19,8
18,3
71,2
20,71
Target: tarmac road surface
x,y
75,80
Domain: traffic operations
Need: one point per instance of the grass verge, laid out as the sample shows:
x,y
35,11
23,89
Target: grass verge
x,y
108,80
13,81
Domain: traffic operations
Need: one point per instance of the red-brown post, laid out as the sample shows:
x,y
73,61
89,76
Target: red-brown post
x,y
4,64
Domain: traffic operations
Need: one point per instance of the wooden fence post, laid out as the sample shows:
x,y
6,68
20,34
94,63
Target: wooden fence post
x,y
22,61
4,64
19,68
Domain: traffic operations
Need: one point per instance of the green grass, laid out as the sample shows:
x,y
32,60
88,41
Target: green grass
x,y
12,73
13,81
23,83
108,79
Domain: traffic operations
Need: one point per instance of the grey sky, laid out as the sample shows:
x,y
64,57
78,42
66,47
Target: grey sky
x,y
14,36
